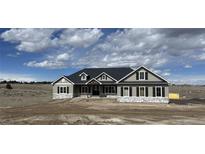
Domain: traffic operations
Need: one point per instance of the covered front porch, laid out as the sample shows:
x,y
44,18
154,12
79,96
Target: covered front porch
x,y
95,90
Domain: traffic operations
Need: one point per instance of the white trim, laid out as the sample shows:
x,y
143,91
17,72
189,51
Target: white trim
x,y
144,91
155,88
128,74
103,77
128,90
93,79
105,74
83,78
115,89
83,73
66,92
155,74
144,76
82,90
61,78
138,69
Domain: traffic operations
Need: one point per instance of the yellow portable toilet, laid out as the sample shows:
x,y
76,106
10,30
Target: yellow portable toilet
x,y
173,96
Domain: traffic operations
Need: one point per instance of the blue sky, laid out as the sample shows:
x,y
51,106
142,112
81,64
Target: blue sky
x,y
46,54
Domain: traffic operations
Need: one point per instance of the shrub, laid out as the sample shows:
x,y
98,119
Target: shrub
x,y
8,86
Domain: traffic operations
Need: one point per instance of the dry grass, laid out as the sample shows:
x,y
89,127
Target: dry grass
x,y
32,104
25,94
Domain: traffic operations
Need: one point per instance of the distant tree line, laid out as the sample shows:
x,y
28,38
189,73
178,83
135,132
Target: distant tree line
x,y
25,82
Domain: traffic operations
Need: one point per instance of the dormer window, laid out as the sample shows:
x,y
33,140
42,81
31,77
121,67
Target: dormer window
x,y
83,76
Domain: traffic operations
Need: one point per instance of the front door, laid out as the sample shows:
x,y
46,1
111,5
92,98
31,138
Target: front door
x,y
96,90
126,91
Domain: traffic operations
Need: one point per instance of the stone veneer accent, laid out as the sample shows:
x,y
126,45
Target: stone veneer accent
x,y
62,96
143,99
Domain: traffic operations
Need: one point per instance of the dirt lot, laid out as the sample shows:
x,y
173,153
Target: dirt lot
x,y
32,104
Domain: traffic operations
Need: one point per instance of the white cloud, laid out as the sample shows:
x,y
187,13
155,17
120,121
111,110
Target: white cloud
x,y
17,77
46,64
166,74
187,66
30,40
80,37
34,40
150,47
54,61
131,47
153,48
200,57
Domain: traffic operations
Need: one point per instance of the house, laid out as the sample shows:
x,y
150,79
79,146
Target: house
x,y
124,83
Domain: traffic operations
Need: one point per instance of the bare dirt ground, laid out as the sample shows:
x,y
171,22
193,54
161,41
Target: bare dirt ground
x,y
32,104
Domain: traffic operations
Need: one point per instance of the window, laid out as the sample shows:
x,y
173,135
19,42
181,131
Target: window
x,y
67,90
58,90
159,91
142,75
84,89
142,91
63,90
110,89
83,77
103,77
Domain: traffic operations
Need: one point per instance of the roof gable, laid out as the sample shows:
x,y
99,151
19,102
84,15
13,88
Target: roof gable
x,y
63,77
138,69
93,81
107,75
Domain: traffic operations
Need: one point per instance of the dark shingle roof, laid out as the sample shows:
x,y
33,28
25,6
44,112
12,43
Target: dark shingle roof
x,y
116,73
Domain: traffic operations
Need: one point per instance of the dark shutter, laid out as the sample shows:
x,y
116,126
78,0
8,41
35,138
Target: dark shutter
x,y
153,90
130,91
67,90
137,91
121,91
80,89
146,92
137,75
163,92
146,75
58,90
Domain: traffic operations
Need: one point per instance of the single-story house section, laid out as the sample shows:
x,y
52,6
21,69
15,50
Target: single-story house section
x,y
124,83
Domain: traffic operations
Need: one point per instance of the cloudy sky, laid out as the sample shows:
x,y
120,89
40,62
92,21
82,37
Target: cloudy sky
x,y
45,54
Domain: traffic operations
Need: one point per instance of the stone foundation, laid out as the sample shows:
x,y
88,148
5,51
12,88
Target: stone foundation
x,y
112,96
143,99
62,96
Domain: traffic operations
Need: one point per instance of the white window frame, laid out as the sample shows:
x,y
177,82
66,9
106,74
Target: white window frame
x,y
103,77
143,73
110,87
85,87
156,91
128,90
83,77
63,89
144,91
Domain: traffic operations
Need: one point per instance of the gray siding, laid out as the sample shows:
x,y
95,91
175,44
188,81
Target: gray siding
x,y
62,83
132,77
118,90
134,91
